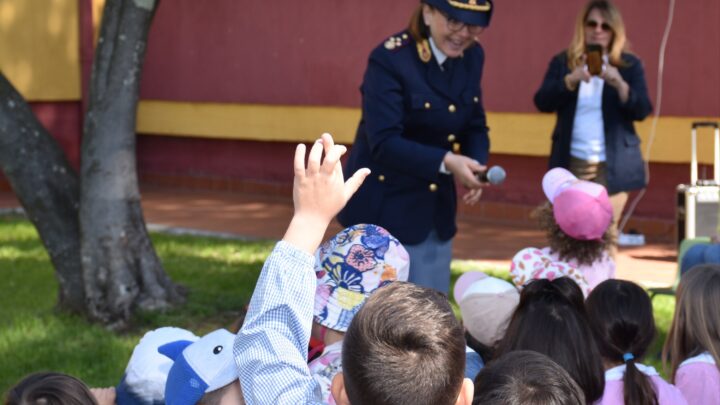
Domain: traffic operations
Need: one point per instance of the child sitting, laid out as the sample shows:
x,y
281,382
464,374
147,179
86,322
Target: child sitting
x,y
486,304
693,342
550,319
349,267
577,221
621,318
526,377
57,389
404,346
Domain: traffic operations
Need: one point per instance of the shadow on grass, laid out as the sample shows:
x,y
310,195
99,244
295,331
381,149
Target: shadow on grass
x,y
219,274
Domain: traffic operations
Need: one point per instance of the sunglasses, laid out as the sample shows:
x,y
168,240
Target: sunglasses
x,y
594,24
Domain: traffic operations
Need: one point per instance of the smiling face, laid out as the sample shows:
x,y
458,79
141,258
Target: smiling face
x,y
451,42
598,30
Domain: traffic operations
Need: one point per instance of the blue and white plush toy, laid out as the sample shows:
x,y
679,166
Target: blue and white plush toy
x,y
199,367
146,374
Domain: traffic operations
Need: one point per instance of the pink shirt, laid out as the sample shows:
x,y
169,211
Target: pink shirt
x,y
595,273
667,394
698,378
324,368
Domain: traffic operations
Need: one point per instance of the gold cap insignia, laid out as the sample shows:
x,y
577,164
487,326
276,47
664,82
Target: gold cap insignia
x,y
471,5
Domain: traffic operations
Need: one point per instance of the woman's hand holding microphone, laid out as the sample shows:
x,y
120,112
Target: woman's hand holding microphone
x,y
464,169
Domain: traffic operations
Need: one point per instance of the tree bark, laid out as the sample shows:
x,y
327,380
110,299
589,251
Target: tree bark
x,y
121,271
47,187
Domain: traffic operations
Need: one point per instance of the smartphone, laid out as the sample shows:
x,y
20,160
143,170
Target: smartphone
x,y
594,60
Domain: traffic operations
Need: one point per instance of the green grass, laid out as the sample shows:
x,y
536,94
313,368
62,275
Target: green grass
x,y
219,273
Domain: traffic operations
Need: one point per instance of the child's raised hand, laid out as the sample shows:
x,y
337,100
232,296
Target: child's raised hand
x,y
319,191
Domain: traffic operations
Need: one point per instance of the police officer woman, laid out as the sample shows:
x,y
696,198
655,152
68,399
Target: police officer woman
x,y
422,127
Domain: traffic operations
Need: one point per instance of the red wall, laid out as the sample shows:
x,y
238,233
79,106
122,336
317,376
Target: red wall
x,y
314,51
218,162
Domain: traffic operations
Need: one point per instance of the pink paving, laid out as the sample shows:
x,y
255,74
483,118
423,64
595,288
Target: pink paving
x,y
490,243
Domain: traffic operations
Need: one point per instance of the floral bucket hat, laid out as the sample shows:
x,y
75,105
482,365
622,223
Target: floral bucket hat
x,y
350,266
533,264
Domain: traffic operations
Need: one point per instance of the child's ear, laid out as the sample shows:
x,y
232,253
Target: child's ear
x,y
337,389
466,392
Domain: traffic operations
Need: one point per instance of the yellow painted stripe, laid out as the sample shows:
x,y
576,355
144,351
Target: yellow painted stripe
x,y
39,48
510,133
247,121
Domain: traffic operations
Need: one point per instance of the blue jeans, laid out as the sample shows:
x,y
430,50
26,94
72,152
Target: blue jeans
x,y
430,263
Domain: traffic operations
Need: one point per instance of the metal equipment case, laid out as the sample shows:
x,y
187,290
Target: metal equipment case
x,y
698,203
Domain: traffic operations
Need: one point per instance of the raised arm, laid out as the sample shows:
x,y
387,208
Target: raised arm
x,y
271,348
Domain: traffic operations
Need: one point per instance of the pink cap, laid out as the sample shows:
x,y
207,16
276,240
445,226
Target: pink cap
x,y
581,208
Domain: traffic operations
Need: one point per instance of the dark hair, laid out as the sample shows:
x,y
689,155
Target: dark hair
x,y
621,318
550,319
485,351
50,389
404,346
417,28
567,247
526,377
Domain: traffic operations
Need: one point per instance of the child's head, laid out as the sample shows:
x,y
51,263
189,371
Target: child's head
x,y
350,266
621,318
486,304
404,346
526,377
203,372
50,389
533,264
695,328
578,218
550,319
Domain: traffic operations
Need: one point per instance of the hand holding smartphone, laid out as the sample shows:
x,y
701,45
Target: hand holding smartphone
x,y
594,60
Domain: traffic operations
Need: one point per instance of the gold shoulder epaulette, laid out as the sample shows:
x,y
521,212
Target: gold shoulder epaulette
x,y
397,41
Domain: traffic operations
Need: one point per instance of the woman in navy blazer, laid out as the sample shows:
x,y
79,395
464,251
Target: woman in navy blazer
x,y
423,127
594,135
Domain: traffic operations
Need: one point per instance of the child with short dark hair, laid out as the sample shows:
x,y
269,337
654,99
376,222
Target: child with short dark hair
x,y
693,343
550,319
271,348
621,318
528,378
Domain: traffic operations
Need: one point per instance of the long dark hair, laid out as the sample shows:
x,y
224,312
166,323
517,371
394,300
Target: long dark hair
x,y
621,318
550,319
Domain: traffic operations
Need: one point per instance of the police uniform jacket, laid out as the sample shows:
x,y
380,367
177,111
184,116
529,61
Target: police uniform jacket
x,y
413,113
624,162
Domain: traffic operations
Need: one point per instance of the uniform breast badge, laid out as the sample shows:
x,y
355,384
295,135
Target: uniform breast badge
x,y
423,48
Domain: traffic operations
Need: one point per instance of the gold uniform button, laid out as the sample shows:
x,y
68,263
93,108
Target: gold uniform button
x,y
456,147
404,36
427,105
452,108
433,187
451,138
381,177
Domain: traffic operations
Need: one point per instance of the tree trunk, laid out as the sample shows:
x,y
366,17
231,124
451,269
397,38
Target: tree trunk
x,y
47,187
121,271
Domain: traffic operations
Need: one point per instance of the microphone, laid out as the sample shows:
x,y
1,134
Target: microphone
x,y
494,175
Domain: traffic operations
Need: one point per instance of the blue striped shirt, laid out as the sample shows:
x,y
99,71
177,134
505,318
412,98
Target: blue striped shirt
x,y
271,348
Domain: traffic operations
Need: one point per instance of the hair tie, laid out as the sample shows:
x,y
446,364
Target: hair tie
x,y
628,356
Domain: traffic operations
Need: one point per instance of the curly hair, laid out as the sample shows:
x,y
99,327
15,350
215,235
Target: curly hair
x,y
567,247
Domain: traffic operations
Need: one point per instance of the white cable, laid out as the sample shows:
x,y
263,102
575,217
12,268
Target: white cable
x,y
656,115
